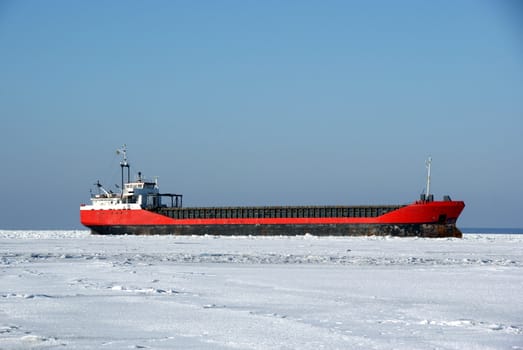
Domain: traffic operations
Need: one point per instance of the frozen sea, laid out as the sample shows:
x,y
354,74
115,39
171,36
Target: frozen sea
x,y
73,290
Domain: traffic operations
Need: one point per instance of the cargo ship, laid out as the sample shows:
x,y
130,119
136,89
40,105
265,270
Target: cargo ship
x,y
140,209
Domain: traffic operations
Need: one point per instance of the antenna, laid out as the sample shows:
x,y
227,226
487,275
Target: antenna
x,y
124,164
123,151
428,163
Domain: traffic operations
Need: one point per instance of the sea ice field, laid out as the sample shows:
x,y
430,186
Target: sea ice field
x,y
74,290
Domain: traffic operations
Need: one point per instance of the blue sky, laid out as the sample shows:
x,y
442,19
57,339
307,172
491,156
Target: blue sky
x,y
262,102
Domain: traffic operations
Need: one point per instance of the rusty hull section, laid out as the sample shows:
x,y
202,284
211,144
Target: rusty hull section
x,y
435,230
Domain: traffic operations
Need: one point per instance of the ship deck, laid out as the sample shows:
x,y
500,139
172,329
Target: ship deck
x,y
276,212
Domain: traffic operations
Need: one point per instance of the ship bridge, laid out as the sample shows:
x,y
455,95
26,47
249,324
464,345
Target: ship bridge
x,y
138,194
142,192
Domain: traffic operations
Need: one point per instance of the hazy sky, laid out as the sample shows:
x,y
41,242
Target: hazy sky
x,y
262,102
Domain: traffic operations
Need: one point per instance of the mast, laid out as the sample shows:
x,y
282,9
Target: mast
x,y
124,164
428,163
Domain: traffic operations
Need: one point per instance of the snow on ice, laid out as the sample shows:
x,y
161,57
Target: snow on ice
x,y
75,290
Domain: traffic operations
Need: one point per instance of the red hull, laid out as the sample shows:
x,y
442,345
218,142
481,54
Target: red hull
x,y
416,213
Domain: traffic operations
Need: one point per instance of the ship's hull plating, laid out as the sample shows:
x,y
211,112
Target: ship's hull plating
x,y
423,219
401,230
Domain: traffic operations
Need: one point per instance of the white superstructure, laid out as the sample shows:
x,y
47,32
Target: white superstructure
x,y
139,194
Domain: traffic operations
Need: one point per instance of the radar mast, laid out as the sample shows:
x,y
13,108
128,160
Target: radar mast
x,y
428,163
124,164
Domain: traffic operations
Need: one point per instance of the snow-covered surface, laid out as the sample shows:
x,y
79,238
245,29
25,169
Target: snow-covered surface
x,y
70,289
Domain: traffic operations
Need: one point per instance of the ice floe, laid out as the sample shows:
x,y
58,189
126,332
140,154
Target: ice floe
x,y
70,289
